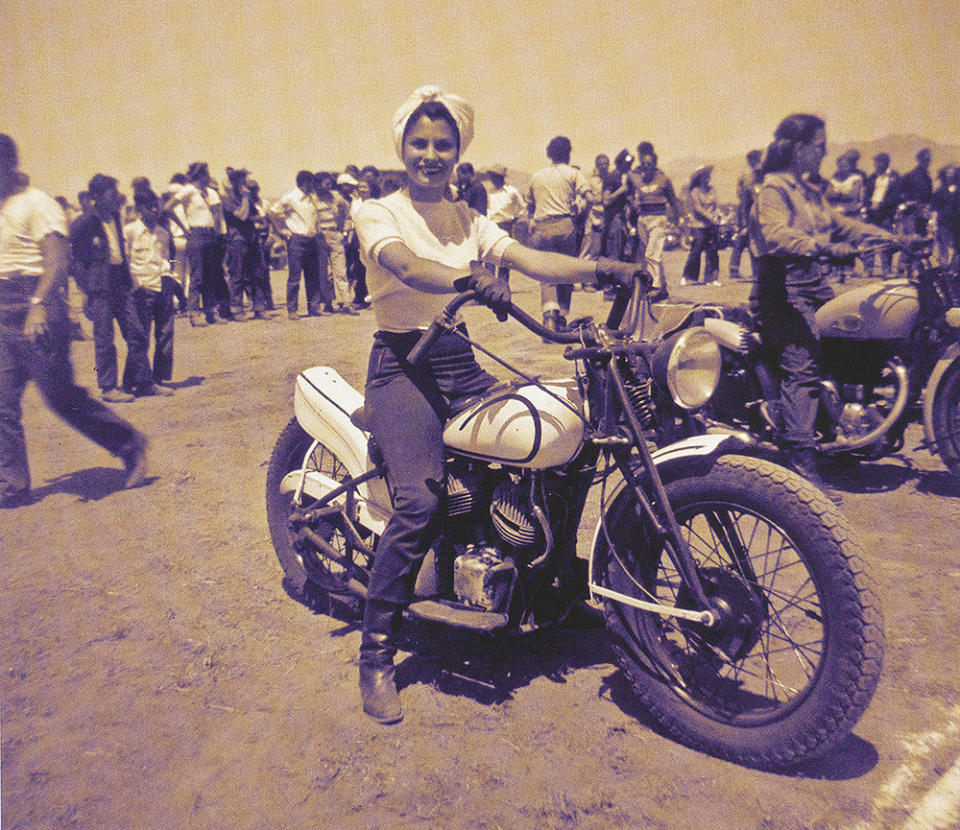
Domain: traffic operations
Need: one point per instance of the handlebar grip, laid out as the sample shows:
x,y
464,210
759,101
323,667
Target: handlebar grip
x,y
425,343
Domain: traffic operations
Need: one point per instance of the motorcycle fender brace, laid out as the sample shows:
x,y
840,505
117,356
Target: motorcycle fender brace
x,y
697,449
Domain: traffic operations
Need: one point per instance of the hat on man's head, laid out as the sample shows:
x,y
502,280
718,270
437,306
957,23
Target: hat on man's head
x,y
347,179
852,155
498,170
701,171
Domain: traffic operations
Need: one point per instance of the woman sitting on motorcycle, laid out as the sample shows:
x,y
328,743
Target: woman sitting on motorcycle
x,y
791,225
417,245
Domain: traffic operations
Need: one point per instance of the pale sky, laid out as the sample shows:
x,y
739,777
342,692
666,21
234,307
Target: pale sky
x,y
130,88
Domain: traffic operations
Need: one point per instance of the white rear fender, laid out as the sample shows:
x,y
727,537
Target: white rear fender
x,y
323,402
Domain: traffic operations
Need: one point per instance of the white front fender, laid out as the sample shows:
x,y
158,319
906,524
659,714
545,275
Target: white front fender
x,y
702,448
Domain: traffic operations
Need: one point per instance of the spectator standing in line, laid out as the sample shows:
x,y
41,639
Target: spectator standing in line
x,y
880,205
652,204
917,187
504,206
614,198
747,186
332,212
558,195
945,201
148,245
242,250
370,176
845,193
349,188
35,335
203,210
262,245
296,214
592,245
845,189
102,273
470,189
703,221
179,230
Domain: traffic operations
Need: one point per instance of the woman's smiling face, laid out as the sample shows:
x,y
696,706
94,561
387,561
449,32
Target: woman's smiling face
x,y
430,154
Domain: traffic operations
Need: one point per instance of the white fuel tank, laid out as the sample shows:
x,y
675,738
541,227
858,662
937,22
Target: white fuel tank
x,y
521,425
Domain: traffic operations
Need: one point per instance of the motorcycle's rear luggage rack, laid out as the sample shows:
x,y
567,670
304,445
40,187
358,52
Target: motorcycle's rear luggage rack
x,y
449,613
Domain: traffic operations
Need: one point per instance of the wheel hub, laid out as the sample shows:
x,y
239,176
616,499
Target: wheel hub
x,y
739,609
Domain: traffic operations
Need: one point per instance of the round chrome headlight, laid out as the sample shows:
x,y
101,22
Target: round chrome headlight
x,y
692,369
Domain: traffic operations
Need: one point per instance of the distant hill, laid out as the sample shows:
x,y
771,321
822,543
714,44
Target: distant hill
x,y
901,148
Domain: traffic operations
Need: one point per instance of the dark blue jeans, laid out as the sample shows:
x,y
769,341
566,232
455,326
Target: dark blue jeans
x,y
205,251
103,309
155,310
785,299
408,407
308,255
48,364
705,241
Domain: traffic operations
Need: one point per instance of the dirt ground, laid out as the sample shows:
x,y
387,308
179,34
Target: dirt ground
x,y
154,673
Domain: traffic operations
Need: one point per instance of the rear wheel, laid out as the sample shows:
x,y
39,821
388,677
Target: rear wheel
x,y
946,418
306,566
797,657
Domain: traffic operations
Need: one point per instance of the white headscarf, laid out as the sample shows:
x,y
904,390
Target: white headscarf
x,y
461,111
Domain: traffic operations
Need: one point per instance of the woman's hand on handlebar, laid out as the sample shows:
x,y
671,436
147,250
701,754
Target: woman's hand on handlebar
x,y
611,272
494,292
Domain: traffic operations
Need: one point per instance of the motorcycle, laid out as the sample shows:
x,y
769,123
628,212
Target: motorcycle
x,y
889,356
734,593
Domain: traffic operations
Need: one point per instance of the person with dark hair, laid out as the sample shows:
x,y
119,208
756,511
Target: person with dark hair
x,y
240,261
296,214
945,202
103,274
149,245
703,219
790,226
203,210
349,187
747,186
880,206
35,335
370,176
651,202
419,247
470,189
592,244
332,213
915,189
557,197
614,198
262,247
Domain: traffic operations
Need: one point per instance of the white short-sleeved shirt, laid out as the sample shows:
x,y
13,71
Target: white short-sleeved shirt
x,y
447,232
25,219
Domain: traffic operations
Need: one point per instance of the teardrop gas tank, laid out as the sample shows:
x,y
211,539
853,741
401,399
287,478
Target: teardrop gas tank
x,y
521,425
879,311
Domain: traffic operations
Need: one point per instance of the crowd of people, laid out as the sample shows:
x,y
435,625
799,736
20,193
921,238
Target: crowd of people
x,y
204,249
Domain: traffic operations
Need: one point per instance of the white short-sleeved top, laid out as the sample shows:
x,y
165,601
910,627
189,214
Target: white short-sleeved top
x,y
25,219
447,232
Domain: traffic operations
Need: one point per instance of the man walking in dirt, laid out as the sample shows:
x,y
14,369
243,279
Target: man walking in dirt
x,y
35,334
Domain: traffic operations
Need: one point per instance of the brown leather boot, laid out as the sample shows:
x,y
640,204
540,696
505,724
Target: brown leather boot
x,y
378,686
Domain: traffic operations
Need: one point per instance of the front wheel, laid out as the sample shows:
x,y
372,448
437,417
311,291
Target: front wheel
x,y
798,655
946,418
